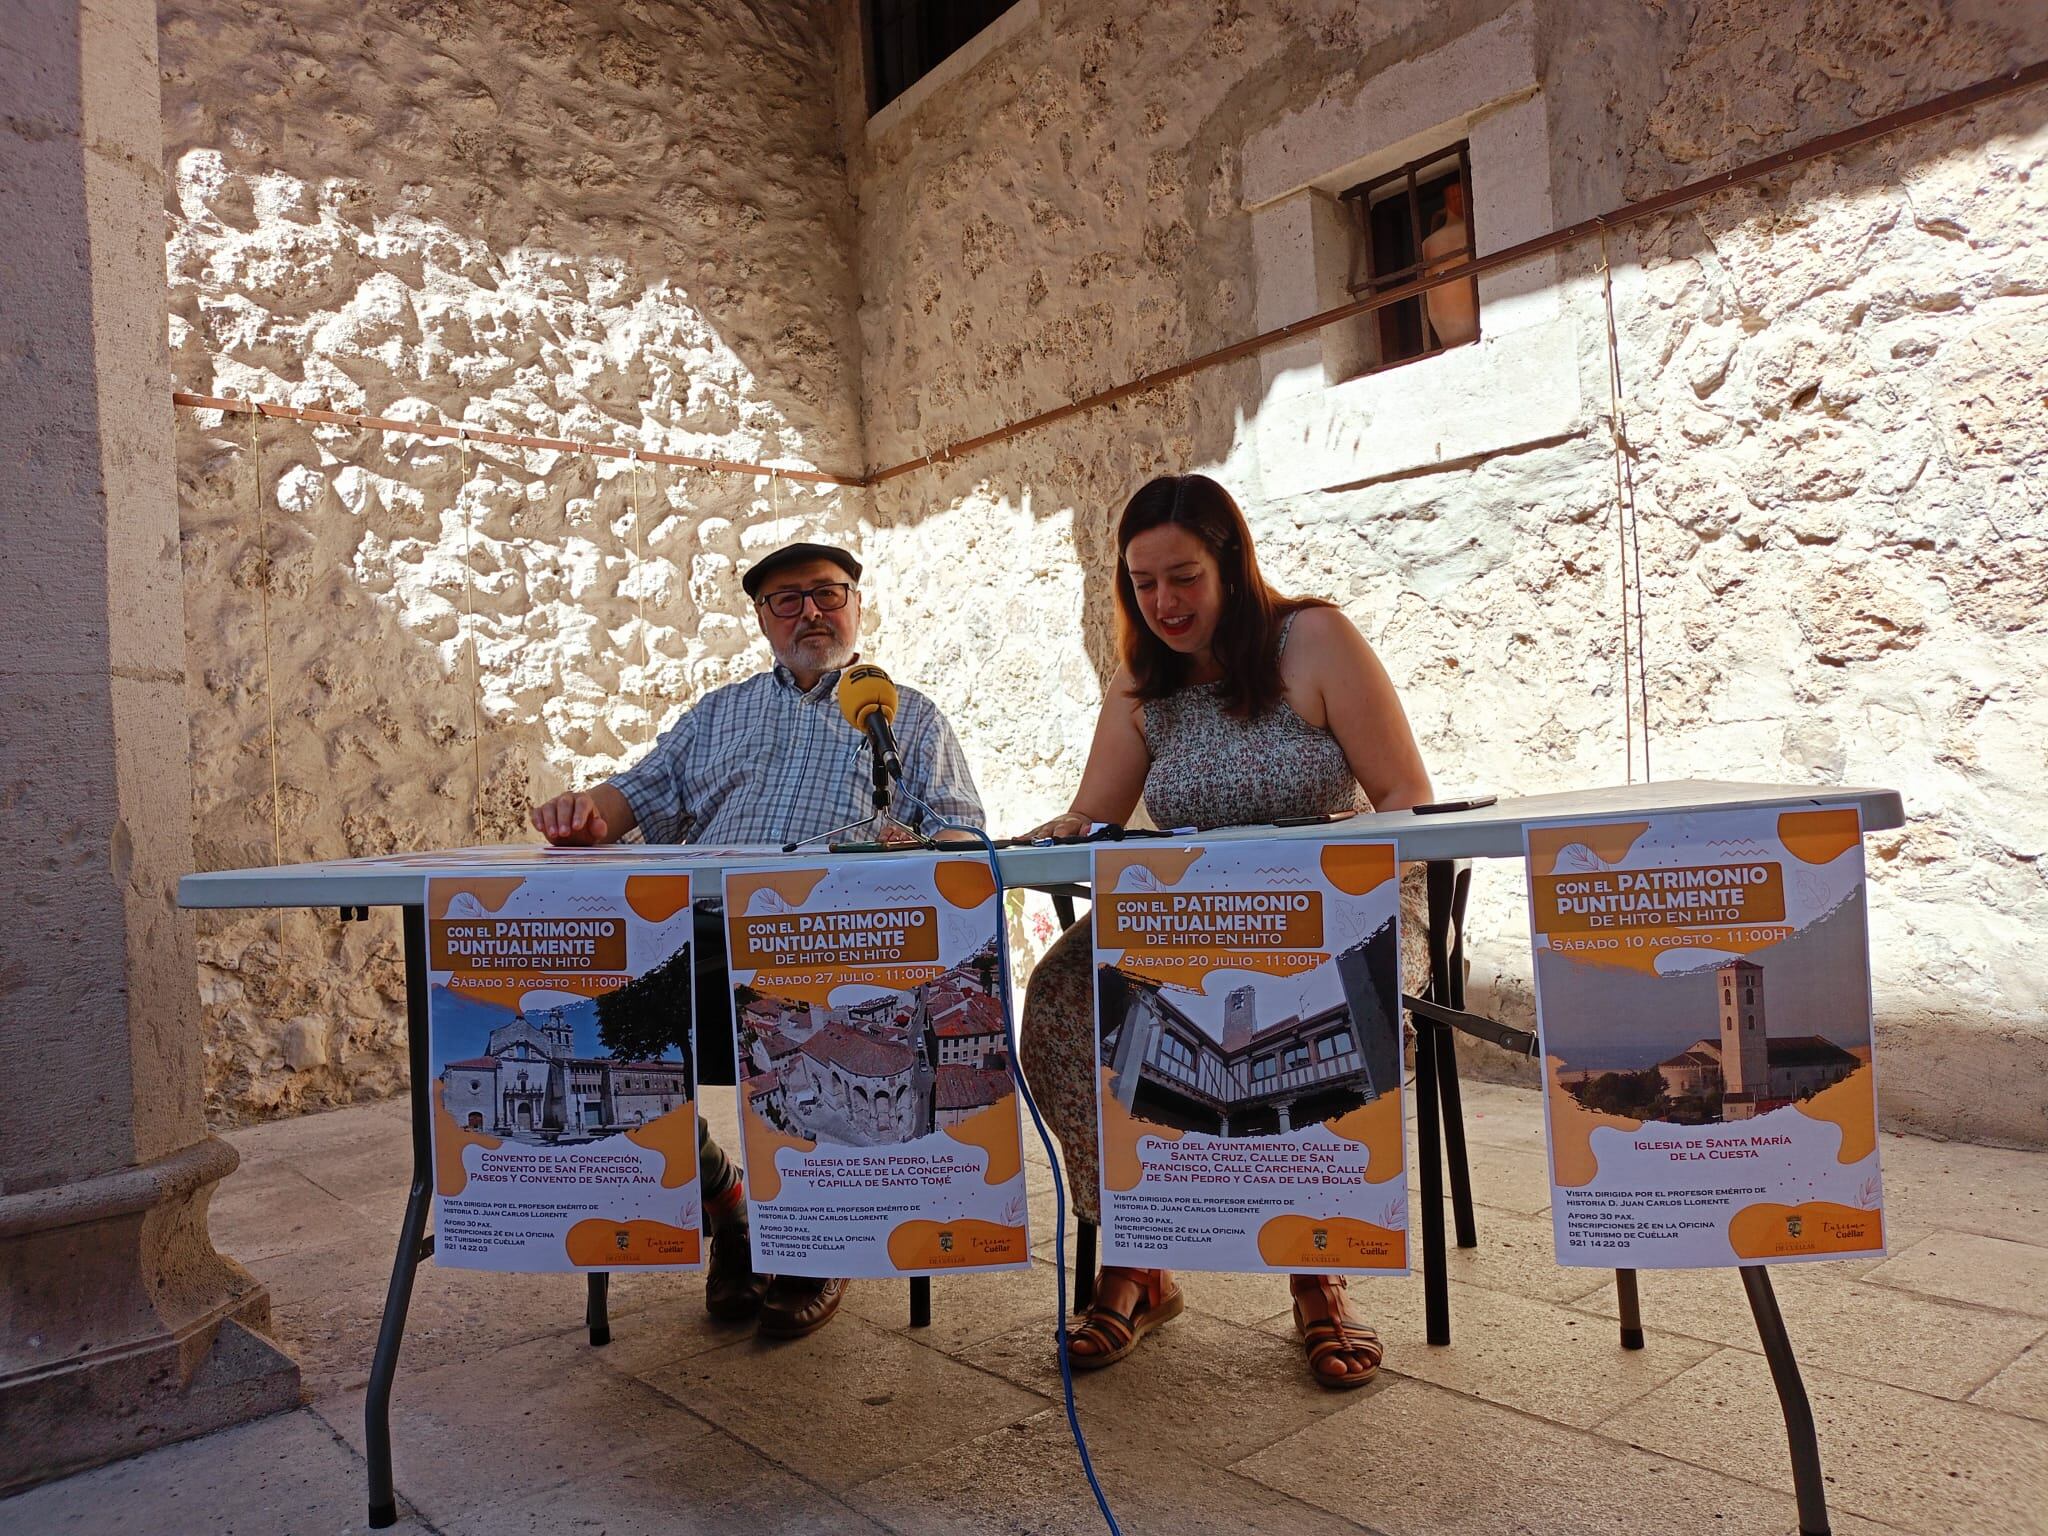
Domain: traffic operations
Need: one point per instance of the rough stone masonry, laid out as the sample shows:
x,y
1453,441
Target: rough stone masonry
x,y
674,225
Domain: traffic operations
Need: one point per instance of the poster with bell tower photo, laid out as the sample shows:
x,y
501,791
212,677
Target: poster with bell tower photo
x,y
1247,1015
1703,998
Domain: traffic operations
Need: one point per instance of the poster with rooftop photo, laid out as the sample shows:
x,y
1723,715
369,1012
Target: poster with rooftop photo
x,y
1247,1013
559,1036
877,1106
1703,998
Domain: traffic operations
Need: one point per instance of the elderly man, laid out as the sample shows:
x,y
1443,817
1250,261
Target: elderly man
x,y
768,760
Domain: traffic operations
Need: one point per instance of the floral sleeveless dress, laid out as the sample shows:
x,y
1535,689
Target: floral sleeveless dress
x,y
1208,770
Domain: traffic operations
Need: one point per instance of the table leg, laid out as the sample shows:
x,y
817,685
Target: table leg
x,y
1084,1265
1447,986
413,1242
597,1310
1436,1289
1807,1484
921,1301
1629,1307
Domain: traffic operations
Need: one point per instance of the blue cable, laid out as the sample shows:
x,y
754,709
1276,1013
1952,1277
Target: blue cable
x,y
1059,1183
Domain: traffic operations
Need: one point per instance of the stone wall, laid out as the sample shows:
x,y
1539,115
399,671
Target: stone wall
x,y
1838,438
618,221
673,225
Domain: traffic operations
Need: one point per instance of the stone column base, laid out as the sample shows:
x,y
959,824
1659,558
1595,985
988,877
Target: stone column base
x,y
123,1328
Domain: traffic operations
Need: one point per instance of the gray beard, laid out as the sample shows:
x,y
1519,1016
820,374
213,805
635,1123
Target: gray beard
x,y
824,655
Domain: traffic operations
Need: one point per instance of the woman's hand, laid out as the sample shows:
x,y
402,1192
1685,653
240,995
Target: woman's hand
x,y
1066,824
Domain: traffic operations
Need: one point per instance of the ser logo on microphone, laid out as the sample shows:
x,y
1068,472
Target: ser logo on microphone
x,y
868,700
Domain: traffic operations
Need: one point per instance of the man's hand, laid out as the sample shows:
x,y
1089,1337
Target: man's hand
x,y
1068,824
571,821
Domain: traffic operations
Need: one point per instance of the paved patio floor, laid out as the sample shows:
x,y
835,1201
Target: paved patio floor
x,y
1928,1372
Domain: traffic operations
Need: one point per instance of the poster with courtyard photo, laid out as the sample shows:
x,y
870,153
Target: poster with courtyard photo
x,y
1703,997
1247,1017
559,1035
877,1107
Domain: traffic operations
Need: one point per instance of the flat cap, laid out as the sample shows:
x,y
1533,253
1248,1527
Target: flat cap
x,y
795,554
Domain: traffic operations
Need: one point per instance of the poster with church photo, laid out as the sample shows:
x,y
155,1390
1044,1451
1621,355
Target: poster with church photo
x,y
1703,997
1247,1013
559,1034
877,1107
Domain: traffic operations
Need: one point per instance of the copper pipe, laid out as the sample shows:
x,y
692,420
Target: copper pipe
x,y
508,439
1628,213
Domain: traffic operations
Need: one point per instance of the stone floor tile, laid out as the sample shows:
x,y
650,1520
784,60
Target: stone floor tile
x,y
1243,1299
1027,1477
2021,1387
306,1138
848,1403
1984,1271
1839,1324
965,1308
517,1420
1541,1357
1956,1186
1516,1254
1918,1462
1506,1178
1416,1460
272,1208
1215,1390
711,1488
283,1476
327,1304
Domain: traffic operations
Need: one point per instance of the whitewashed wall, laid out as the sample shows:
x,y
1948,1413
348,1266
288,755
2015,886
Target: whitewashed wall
x,y
624,222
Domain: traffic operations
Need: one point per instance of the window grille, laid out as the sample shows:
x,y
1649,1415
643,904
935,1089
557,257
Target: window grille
x,y
1393,217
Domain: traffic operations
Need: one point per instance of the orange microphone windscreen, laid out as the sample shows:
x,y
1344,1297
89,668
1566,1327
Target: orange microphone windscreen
x,y
863,690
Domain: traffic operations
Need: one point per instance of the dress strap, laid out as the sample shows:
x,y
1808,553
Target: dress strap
x,y
1286,625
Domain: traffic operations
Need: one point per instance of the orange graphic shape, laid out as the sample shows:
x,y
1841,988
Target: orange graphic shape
x,y
674,1136
1289,1242
1121,1133
994,1130
1819,837
792,885
1572,1159
1355,868
1609,842
1851,1105
966,883
595,1244
451,1174
1767,1231
657,898
492,891
1377,1128
764,1179
1167,864
921,1244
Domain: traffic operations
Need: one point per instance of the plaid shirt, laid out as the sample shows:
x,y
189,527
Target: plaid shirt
x,y
762,761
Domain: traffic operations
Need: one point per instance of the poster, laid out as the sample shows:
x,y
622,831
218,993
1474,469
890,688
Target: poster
x,y
1247,1005
564,1113
876,1101
1703,996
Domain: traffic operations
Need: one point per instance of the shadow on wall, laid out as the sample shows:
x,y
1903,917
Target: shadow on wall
x,y
540,218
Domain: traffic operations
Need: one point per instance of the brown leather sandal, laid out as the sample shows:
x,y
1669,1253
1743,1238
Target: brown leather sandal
x,y
1335,1339
1159,1301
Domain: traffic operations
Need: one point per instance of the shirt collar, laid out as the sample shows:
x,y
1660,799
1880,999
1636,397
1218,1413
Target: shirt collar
x,y
787,679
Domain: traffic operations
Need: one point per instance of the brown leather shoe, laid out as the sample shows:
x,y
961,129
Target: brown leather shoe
x,y
732,1291
796,1305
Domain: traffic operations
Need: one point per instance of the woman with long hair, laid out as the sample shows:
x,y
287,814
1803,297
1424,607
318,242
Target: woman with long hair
x,y
1233,706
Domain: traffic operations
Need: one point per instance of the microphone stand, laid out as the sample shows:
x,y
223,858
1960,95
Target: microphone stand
x,y
883,818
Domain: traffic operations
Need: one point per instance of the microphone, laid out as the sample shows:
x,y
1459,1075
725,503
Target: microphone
x,y
868,700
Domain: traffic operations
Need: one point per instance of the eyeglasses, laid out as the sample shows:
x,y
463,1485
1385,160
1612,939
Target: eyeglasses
x,y
830,596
